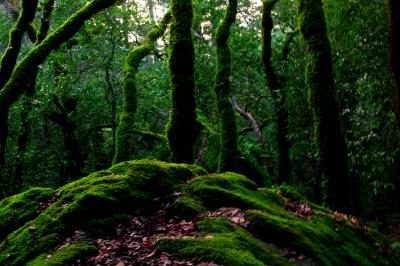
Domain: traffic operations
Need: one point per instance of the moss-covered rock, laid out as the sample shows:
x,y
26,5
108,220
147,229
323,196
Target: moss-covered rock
x,y
16,210
274,232
66,255
227,245
94,204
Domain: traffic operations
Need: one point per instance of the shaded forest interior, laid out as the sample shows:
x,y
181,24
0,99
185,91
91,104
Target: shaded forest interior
x,y
298,95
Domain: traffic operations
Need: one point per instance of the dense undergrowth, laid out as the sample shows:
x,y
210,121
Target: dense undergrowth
x,y
262,226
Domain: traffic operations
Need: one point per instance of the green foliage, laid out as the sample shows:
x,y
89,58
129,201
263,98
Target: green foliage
x,y
14,86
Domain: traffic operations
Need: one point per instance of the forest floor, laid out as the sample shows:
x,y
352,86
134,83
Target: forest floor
x,y
156,213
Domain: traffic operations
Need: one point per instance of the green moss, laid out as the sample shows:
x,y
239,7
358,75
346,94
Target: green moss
x,y
182,119
326,241
227,245
94,204
329,140
187,208
65,256
19,209
129,90
234,190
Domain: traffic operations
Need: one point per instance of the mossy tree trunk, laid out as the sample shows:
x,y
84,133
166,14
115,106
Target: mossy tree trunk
x,y
276,87
125,128
7,63
14,82
394,58
228,140
22,138
182,119
329,139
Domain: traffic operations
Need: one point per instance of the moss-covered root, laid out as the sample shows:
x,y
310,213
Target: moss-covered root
x,y
227,244
67,255
228,141
129,91
182,119
324,240
16,210
275,86
329,140
9,57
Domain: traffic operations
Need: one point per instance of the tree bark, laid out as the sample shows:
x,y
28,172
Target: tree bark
x,y
22,138
277,92
125,128
182,119
329,139
249,118
228,139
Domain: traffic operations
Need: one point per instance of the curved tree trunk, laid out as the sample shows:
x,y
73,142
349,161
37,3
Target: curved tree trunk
x,y
182,120
125,128
329,140
22,138
276,90
222,88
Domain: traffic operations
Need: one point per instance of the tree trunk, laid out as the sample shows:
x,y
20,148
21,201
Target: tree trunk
x,y
277,92
125,128
182,119
228,140
329,140
22,138
74,156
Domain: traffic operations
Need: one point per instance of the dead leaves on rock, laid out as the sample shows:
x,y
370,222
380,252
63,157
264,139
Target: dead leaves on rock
x,y
135,243
301,210
44,205
235,215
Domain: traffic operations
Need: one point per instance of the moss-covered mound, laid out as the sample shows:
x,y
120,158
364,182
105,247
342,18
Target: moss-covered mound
x,y
262,227
93,204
